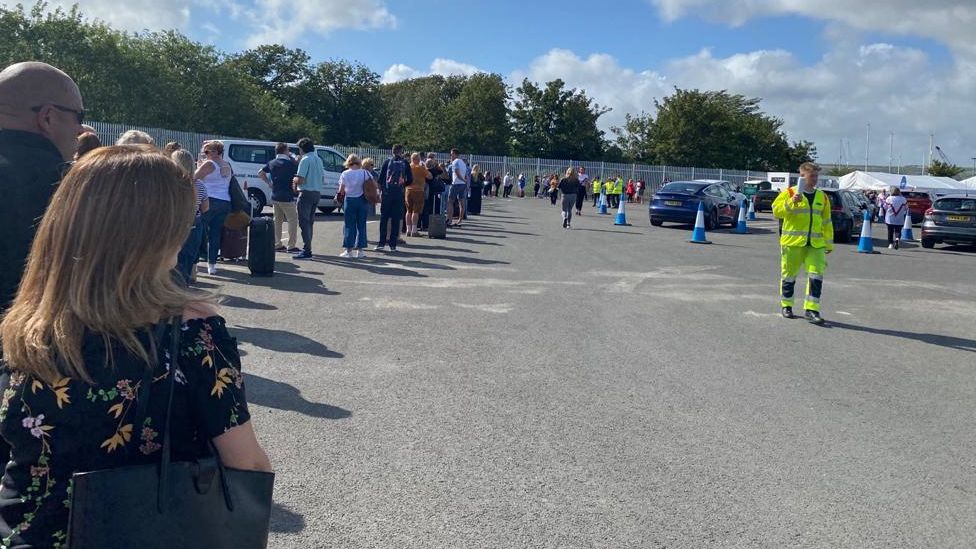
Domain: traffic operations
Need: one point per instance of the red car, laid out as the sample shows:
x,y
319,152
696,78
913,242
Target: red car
x,y
919,202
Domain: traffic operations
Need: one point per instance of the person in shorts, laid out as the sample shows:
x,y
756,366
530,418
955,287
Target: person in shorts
x,y
459,187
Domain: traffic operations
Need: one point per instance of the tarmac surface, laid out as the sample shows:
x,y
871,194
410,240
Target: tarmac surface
x,y
521,385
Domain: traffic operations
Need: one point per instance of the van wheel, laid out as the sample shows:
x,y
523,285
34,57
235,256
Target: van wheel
x,y
257,200
326,210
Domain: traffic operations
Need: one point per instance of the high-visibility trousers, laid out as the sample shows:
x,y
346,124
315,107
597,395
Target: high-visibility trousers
x,y
815,261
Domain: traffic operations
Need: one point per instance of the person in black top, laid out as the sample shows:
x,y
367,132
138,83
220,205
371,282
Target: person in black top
x,y
283,169
569,188
40,115
394,176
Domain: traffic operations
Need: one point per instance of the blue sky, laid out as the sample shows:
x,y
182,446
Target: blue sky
x,y
827,68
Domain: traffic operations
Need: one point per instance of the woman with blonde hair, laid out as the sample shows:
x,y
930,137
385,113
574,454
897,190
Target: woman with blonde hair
x,y
416,194
135,137
85,379
568,187
895,209
352,193
215,173
187,261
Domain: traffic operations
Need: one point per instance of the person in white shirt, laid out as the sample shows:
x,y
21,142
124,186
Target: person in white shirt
x,y
507,184
459,187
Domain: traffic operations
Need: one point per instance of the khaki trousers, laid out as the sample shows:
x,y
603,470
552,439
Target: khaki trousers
x,y
286,211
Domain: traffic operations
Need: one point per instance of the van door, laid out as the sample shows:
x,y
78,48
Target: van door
x,y
246,159
333,164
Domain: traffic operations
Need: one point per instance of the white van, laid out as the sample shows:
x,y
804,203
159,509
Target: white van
x,y
247,157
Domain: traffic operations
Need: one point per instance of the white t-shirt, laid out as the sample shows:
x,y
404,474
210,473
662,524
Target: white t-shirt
x,y
458,165
354,181
508,181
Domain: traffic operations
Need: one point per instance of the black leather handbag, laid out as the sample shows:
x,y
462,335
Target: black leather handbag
x,y
181,504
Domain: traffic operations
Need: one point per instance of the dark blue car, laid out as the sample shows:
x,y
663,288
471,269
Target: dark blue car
x,y
678,201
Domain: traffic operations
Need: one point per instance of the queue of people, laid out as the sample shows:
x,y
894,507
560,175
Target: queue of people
x,y
89,310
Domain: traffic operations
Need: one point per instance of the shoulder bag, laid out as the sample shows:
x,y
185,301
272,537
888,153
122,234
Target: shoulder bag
x,y
197,503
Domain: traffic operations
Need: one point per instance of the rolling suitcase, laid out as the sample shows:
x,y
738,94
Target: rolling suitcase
x,y
233,244
437,227
260,247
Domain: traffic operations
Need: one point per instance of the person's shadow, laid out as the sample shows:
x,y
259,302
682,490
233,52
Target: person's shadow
x,y
950,342
282,396
282,341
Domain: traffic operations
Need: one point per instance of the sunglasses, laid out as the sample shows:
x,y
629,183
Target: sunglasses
x,y
80,114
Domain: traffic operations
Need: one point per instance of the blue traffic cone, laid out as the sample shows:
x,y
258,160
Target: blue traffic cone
x,y
698,235
752,210
906,229
740,227
866,244
621,215
603,203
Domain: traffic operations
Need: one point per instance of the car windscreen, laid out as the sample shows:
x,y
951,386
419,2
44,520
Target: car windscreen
x,y
956,204
686,188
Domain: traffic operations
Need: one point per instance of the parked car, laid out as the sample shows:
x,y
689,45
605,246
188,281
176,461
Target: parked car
x,y
846,213
764,200
247,157
951,220
919,202
678,202
863,200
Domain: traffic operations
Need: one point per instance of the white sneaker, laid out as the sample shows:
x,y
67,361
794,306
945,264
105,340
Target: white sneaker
x,y
891,246
345,253
211,268
379,248
360,255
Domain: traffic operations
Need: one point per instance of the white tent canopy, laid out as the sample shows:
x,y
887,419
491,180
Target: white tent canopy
x,y
862,181
968,183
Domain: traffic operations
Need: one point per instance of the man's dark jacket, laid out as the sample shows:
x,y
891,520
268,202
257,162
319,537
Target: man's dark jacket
x,y
30,168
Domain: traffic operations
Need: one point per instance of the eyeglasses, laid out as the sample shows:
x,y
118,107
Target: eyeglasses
x,y
79,113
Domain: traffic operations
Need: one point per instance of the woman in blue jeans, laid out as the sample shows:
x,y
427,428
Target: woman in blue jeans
x,y
215,173
190,252
352,186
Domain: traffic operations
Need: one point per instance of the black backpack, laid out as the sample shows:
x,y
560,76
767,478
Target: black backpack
x,y
396,173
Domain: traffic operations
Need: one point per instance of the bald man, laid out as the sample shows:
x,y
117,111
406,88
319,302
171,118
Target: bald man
x,y
41,115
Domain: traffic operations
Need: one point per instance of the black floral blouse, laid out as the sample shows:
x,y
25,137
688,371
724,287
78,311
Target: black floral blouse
x,y
58,429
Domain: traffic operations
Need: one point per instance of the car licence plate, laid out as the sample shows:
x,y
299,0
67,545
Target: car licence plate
x,y
958,218
673,202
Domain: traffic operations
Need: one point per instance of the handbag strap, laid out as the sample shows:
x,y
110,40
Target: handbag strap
x,y
145,387
162,495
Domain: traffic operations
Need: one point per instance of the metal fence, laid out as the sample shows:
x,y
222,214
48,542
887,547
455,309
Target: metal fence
x,y
653,176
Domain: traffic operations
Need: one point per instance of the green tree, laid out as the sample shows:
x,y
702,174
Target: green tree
x,y
418,111
476,120
715,129
345,98
939,168
275,68
634,138
553,122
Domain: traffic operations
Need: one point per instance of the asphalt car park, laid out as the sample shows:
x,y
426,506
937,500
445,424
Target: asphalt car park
x,y
522,385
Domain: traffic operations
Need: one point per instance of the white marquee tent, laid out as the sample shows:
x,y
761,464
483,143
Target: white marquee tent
x,y
968,183
861,181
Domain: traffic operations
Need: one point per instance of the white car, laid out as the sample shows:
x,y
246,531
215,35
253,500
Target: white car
x,y
248,157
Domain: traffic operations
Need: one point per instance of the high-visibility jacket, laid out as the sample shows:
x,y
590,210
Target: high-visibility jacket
x,y
608,186
804,224
618,186
597,185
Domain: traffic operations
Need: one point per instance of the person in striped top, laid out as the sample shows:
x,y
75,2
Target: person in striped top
x,y
189,254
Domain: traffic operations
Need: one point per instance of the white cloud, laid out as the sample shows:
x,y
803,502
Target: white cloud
x,y
894,88
441,66
291,20
946,21
267,21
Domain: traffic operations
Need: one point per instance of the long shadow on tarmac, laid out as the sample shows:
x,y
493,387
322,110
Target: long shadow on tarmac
x,y
950,342
408,252
282,396
366,265
282,341
286,520
280,281
244,303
